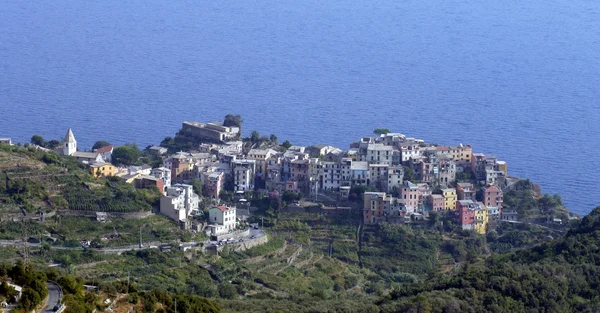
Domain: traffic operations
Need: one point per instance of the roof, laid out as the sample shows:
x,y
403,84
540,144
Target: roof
x,y
379,165
85,155
17,287
262,151
105,149
70,138
99,164
436,196
215,174
149,178
360,166
222,208
491,187
378,146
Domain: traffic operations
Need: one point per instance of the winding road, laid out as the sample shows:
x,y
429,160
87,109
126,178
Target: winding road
x,y
54,296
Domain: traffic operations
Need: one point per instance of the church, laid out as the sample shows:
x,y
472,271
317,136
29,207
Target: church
x,y
69,144
69,148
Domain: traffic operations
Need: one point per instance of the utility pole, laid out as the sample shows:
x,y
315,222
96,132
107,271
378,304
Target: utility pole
x,y
25,245
175,304
127,282
140,236
262,223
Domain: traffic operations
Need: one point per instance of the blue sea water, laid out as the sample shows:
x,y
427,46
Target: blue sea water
x,y
519,79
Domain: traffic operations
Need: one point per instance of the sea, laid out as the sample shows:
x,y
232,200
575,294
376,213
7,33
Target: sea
x,y
517,79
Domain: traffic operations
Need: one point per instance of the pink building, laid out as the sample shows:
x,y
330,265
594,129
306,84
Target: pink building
x,y
436,202
213,184
466,213
410,194
299,172
492,197
465,191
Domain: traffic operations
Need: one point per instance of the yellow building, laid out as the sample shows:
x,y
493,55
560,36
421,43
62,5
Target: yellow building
x,y
461,154
503,167
481,218
450,198
103,169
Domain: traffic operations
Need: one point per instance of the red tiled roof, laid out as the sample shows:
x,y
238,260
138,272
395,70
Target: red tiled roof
x,y
223,208
105,149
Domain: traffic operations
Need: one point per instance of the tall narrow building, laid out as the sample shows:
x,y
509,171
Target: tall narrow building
x,y
69,145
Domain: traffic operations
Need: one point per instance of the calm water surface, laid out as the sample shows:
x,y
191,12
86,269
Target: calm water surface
x,y
520,79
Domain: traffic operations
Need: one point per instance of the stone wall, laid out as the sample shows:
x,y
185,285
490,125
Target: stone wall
x,y
92,214
243,233
239,246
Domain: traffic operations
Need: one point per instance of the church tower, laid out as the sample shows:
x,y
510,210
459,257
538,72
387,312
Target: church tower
x,y
69,144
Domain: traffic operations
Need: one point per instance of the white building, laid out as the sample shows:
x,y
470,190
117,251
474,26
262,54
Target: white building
x,y
243,174
6,141
261,156
180,202
142,170
222,219
378,154
69,144
106,152
88,157
395,177
164,174
331,172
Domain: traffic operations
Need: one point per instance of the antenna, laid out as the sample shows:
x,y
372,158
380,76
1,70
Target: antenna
x,y
25,245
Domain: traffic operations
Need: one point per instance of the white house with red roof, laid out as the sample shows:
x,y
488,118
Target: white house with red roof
x,y
222,219
106,152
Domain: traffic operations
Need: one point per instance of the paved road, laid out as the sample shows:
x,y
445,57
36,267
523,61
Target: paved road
x,y
54,296
109,250
253,232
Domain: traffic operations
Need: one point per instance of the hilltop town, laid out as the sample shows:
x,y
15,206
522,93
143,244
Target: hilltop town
x,y
242,214
400,179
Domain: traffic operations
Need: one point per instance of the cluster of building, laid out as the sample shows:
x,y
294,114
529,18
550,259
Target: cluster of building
x,y
379,162
412,177
179,202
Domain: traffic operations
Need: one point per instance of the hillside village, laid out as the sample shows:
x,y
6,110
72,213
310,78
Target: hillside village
x,y
388,177
386,211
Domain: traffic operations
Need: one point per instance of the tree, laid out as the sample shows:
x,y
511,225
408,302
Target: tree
x,y
227,291
100,144
421,305
29,299
52,144
409,174
273,139
254,136
197,184
125,155
381,131
286,144
233,120
38,140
